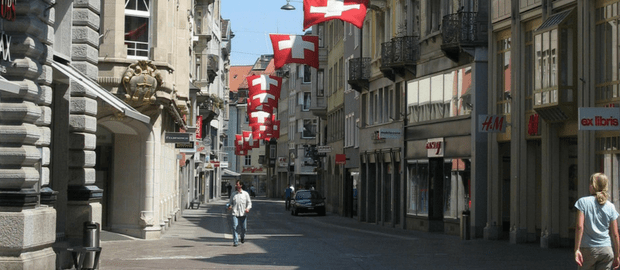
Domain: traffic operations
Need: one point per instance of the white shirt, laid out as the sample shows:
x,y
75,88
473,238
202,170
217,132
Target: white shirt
x,y
240,202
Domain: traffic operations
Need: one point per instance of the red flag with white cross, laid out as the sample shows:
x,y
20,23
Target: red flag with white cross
x,y
296,49
259,84
318,11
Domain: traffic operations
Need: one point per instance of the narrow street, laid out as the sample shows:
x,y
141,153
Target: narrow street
x,y
277,240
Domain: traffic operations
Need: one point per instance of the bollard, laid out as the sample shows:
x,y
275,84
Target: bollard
x,y
465,226
90,240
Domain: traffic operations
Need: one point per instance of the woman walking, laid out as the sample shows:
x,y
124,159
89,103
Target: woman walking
x,y
596,222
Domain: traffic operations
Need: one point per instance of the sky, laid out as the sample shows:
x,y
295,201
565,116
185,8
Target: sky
x,y
253,20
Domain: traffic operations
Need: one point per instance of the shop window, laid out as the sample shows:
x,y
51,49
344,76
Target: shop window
x,y
137,20
417,178
457,181
608,156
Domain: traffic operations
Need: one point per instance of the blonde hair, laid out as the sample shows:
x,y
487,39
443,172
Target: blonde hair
x,y
599,182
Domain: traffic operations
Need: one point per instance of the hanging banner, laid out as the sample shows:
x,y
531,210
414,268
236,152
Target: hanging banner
x,y
199,127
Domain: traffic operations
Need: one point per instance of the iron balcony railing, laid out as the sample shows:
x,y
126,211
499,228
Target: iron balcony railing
x,y
461,29
400,52
359,72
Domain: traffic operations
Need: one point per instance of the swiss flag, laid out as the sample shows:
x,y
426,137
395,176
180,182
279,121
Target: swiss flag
x,y
318,11
258,107
259,84
260,117
295,49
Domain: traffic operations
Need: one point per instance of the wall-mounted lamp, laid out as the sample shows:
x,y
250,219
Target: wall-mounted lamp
x,y
288,6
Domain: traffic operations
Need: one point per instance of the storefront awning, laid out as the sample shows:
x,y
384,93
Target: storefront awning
x,y
101,92
229,174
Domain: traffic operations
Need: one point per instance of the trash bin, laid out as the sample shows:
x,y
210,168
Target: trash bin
x,y
465,226
91,239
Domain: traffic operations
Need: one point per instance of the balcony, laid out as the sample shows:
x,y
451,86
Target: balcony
x,y
209,106
359,73
399,56
213,66
462,31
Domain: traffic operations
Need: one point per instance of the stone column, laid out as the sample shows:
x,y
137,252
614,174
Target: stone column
x,y
518,154
27,228
550,209
82,194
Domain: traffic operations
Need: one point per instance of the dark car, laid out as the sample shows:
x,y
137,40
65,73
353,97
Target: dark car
x,y
306,201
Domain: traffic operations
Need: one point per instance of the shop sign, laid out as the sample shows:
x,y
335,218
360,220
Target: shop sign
x,y
176,137
7,9
434,147
390,133
341,159
492,123
599,118
224,164
282,162
323,149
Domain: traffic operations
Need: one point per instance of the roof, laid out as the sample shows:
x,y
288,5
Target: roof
x,y
237,76
264,65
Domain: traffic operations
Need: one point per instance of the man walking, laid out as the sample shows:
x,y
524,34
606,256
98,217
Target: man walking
x,y
288,193
240,204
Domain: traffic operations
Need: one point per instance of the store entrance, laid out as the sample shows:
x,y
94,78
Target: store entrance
x,y
435,193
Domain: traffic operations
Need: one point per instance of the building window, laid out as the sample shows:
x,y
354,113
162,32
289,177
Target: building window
x,y
308,128
440,96
291,128
248,160
307,74
607,53
503,68
198,69
529,62
320,83
137,19
306,101
356,129
340,80
321,38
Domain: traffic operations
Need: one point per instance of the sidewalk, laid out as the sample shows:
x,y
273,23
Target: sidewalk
x,y
189,245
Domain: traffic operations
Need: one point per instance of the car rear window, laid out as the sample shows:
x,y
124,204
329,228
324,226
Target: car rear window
x,y
308,195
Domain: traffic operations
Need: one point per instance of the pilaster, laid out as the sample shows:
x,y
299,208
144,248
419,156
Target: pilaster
x,y
27,229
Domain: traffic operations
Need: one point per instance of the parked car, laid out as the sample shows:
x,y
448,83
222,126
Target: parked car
x,y
306,201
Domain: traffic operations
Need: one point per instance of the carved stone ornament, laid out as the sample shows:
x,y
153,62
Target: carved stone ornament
x,y
141,80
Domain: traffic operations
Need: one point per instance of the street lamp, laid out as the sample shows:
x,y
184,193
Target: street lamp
x,y
288,6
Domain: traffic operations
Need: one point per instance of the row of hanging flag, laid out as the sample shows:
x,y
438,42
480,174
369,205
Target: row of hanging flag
x,y
264,90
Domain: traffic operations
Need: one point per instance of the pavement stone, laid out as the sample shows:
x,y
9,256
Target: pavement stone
x,y
187,244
